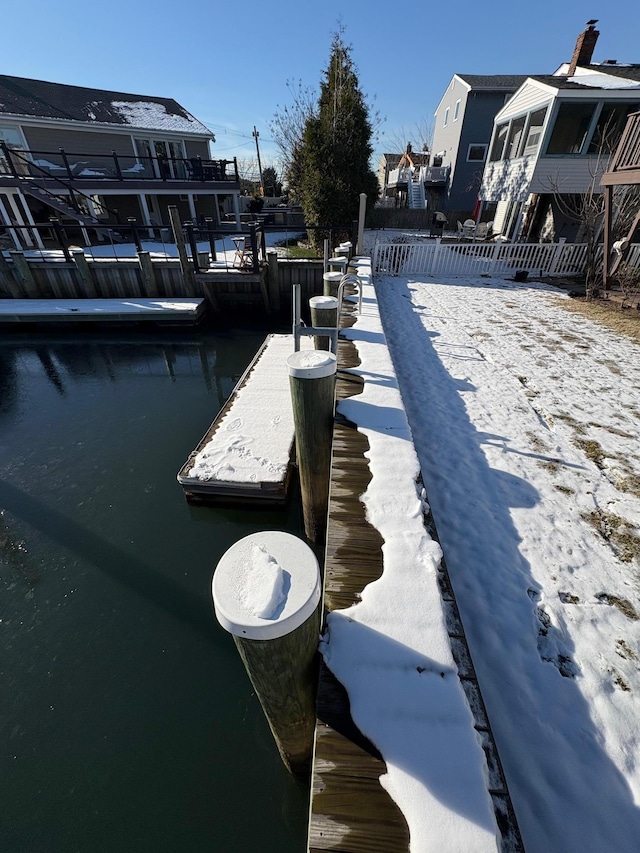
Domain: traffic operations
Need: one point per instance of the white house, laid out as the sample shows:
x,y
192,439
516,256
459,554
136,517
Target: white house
x,y
551,142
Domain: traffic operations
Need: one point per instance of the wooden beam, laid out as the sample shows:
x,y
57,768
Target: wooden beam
x,y
620,178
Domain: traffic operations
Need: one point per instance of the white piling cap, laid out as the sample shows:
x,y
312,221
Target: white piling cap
x,y
274,574
332,276
311,364
327,302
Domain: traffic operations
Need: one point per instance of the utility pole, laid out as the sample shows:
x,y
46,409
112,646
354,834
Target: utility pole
x,y
255,135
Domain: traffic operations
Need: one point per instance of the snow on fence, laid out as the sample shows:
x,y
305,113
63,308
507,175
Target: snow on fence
x,y
437,258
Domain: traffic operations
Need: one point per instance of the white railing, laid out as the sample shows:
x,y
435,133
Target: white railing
x,y
434,257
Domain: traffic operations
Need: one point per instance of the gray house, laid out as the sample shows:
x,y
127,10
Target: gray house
x,y
96,157
463,127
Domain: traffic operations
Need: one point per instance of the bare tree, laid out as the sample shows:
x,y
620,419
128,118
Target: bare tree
x,y
288,125
419,135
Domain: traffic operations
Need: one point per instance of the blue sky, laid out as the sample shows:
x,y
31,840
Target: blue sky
x,y
228,63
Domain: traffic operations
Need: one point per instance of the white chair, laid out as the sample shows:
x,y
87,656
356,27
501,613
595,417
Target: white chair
x,y
469,229
482,229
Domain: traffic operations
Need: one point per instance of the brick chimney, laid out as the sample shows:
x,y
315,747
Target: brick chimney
x,y
584,48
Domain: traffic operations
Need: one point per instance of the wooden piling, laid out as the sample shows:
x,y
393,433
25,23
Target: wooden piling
x,y
324,313
7,278
85,280
178,235
149,284
331,282
273,281
266,593
24,274
312,383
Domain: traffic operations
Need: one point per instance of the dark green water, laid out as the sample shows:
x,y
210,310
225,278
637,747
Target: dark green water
x,y
127,721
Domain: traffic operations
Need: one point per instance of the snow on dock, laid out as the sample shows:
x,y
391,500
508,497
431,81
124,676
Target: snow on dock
x,y
247,452
101,310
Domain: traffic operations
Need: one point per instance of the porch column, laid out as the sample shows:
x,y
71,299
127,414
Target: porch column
x,y
144,208
192,207
236,209
606,249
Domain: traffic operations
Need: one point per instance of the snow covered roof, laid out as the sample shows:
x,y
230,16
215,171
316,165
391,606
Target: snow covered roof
x,y
40,99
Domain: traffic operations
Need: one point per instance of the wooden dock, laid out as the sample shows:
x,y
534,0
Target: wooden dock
x,y
168,310
246,455
350,811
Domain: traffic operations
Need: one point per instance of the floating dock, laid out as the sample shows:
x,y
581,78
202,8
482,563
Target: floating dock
x,y
247,453
135,310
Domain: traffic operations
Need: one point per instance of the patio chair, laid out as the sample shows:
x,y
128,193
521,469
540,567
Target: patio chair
x,y
469,228
482,229
460,229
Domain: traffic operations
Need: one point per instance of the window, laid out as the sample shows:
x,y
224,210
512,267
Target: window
x,y
446,117
476,153
498,142
609,126
515,137
534,132
456,110
571,128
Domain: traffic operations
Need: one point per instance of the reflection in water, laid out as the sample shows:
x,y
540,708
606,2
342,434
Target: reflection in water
x,y
127,719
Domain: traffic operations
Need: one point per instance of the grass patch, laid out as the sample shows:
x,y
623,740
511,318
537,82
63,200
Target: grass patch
x,y
623,605
624,651
591,449
618,533
566,490
625,321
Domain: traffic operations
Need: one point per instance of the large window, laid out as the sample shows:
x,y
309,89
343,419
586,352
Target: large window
x,y
534,132
609,126
515,137
498,142
571,128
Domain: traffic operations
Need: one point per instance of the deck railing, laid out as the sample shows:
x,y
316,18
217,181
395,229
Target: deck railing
x,y
84,167
627,154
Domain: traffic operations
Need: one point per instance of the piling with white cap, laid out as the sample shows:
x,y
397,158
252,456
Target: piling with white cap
x,y
331,282
324,313
312,383
266,593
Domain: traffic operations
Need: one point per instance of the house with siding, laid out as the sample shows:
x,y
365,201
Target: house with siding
x,y
552,141
463,125
96,156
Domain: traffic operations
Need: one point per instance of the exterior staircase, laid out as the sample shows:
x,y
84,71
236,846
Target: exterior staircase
x,y
32,188
416,195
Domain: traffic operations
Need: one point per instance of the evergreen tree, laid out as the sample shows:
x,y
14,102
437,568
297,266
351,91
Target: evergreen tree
x,y
337,148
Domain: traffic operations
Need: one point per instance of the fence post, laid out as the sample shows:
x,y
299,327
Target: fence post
x,y
212,238
84,274
494,255
312,384
266,592
253,239
134,232
61,237
557,254
361,215
436,253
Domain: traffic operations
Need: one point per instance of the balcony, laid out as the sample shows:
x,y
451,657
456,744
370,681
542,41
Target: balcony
x,y
431,176
55,168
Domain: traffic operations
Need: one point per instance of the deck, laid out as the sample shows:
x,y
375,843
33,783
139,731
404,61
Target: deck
x,y
134,310
246,455
350,811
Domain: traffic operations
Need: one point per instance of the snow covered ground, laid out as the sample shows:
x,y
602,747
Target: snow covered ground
x,y
525,420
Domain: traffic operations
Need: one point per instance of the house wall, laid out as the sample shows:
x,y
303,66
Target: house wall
x,y
50,138
508,179
566,174
530,96
446,139
477,127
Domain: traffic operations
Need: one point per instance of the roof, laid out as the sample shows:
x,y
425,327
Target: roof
x,y
39,99
499,82
629,72
592,77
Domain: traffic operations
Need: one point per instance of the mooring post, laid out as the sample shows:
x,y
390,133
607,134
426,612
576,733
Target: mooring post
x,y
312,383
147,274
266,593
324,313
86,282
361,216
7,278
24,274
331,282
326,255
178,236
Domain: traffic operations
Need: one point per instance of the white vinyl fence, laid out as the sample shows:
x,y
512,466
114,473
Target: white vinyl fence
x,y
434,257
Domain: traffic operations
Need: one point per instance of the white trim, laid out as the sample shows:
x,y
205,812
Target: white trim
x,y
446,117
37,121
456,77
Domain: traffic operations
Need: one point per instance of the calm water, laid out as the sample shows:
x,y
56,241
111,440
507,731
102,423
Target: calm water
x,y
127,722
